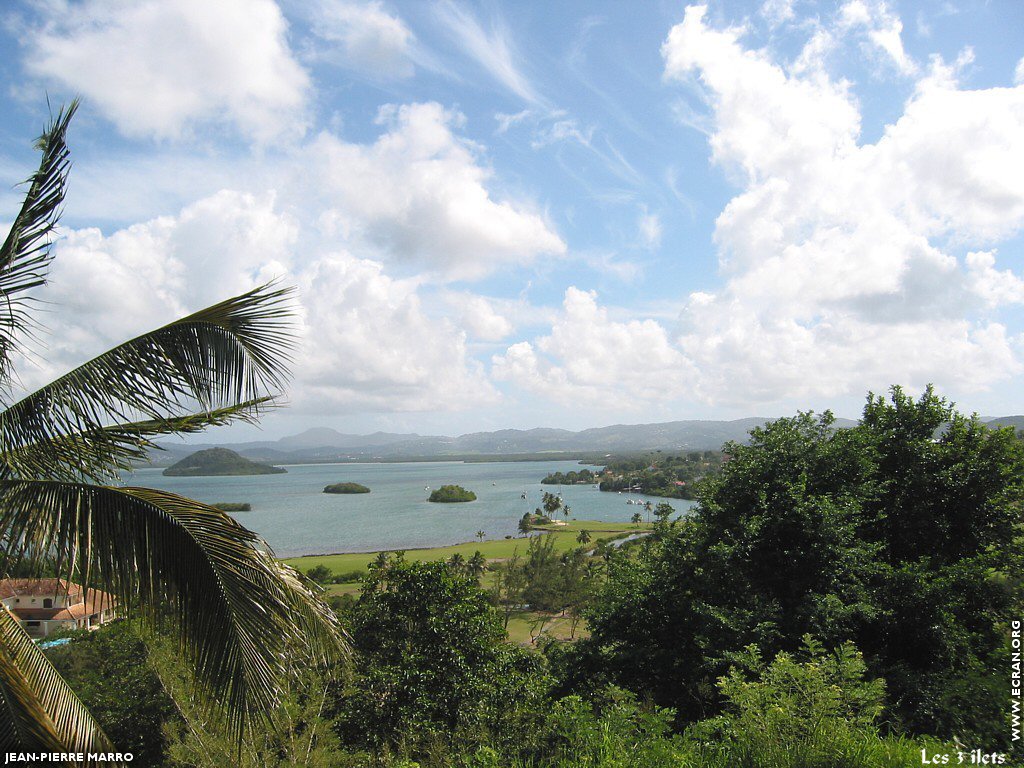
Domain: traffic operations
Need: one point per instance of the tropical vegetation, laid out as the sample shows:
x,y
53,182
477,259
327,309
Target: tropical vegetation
x,y
448,494
227,605
346,488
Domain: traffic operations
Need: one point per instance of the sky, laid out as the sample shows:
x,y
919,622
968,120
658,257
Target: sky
x,y
522,214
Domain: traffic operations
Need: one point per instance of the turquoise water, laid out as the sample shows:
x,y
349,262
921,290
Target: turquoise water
x,y
296,518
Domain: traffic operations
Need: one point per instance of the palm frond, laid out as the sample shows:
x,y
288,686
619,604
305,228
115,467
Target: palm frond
x,y
38,711
25,253
234,608
100,455
233,352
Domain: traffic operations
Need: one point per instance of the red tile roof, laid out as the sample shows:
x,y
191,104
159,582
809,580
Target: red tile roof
x,y
37,588
94,602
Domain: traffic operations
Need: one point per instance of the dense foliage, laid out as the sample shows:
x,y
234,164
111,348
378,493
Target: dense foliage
x,y
572,477
657,474
346,488
432,668
217,462
233,506
900,535
447,494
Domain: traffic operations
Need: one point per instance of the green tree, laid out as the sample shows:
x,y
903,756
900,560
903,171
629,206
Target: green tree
x,y
898,535
101,666
636,519
584,536
476,566
806,709
321,574
432,665
234,607
524,525
509,587
543,590
552,503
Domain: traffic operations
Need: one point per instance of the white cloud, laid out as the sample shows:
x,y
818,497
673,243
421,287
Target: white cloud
x,y
884,30
492,49
1018,73
371,40
370,345
649,227
777,12
366,340
589,359
841,258
479,316
420,193
106,289
561,129
163,67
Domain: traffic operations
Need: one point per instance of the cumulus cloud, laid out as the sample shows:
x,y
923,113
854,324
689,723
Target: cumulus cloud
x,y
370,39
420,193
480,317
840,257
161,67
590,358
370,344
366,341
106,289
884,30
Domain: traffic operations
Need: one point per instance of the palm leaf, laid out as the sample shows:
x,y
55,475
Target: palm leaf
x,y
100,455
233,352
38,711
25,253
235,608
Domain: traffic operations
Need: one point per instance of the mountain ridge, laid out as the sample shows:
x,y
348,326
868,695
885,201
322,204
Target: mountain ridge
x,y
325,444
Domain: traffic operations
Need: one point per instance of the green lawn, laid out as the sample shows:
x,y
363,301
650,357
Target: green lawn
x,y
497,549
522,624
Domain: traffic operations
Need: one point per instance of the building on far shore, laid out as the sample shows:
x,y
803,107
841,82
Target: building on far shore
x,y
43,606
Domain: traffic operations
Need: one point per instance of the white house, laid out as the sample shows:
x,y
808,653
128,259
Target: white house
x,y
43,606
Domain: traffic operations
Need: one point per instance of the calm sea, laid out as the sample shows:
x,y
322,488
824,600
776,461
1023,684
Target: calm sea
x,y
296,518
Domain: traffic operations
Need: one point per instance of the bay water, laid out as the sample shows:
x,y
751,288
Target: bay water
x,y
293,514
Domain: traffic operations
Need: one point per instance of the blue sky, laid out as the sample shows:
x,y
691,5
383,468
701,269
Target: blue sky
x,y
544,214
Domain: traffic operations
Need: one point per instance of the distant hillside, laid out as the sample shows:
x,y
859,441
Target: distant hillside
x,y
218,461
323,444
1017,422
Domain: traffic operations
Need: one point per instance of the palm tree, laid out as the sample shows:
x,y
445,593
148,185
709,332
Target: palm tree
x,y
480,535
583,537
636,519
170,562
457,563
476,565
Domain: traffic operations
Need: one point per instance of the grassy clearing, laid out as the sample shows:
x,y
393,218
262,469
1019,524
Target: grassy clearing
x,y
522,625
497,549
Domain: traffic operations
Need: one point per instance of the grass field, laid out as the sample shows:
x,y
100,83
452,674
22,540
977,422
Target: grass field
x,y
522,625
496,549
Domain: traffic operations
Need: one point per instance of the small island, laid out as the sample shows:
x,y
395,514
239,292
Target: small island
x,y
449,494
233,506
346,488
215,462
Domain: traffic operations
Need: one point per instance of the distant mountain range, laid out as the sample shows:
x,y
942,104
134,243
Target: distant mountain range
x,y
323,444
